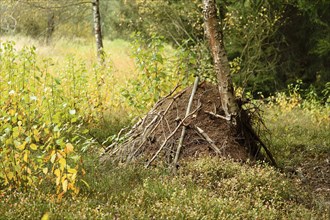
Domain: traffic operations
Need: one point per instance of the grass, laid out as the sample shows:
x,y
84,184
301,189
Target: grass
x,y
82,94
207,188
298,128
82,49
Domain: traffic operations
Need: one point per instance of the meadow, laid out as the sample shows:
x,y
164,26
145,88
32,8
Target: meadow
x,y
59,109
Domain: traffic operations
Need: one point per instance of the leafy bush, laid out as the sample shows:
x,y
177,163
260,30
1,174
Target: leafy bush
x,y
42,119
159,71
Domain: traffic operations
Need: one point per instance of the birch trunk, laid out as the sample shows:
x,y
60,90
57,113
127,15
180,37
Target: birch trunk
x,y
98,30
221,64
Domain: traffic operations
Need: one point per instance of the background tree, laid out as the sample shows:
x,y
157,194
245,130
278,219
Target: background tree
x,y
269,43
98,30
42,19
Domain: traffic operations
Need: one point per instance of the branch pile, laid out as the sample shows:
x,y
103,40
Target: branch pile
x,y
188,124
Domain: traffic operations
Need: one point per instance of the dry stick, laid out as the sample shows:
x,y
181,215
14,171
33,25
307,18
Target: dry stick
x,y
149,125
217,116
162,116
154,128
158,103
269,154
183,133
165,112
168,125
128,136
115,142
109,147
171,135
180,93
131,134
208,139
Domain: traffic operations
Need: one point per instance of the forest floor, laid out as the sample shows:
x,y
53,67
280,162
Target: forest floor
x,y
204,187
207,187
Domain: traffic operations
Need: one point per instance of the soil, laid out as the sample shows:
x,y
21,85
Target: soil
x,y
150,133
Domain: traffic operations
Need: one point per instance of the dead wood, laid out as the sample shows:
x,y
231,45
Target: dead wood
x,y
158,135
208,139
171,135
217,116
183,133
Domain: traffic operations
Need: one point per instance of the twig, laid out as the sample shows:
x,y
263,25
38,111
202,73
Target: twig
x,y
160,101
109,147
149,125
171,135
217,116
183,133
208,139
153,129
180,93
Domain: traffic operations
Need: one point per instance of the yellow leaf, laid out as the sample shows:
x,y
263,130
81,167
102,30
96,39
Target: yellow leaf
x,y
46,130
57,172
65,185
21,146
76,190
85,183
45,170
15,132
33,147
52,158
58,179
62,163
36,135
25,157
45,216
72,170
70,186
11,112
60,154
68,148
10,175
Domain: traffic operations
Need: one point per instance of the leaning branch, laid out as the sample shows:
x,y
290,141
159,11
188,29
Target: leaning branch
x,y
208,139
171,135
183,133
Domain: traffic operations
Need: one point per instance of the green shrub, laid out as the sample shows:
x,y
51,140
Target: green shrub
x,y
41,124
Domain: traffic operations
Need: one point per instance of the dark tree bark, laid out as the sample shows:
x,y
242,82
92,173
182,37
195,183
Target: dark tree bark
x,y
50,27
98,30
221,64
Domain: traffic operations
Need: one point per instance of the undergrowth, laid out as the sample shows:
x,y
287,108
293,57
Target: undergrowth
x,y
45,115
55,116
299,124
207,188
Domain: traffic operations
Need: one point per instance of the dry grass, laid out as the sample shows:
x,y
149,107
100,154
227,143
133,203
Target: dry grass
x,y
117,52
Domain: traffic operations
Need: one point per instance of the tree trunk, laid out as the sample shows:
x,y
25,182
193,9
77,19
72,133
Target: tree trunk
x,y
50,26
221,64
97,30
